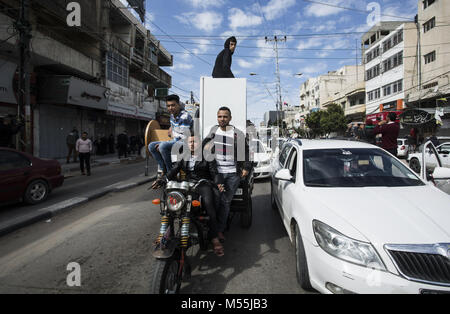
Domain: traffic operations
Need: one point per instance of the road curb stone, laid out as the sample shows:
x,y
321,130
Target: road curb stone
x,y
64,206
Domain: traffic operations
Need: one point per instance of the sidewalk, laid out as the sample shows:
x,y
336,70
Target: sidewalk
x,y
96,161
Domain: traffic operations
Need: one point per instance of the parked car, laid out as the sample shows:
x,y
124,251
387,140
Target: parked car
x,y
262,156
27,178
360,220
403,147
415,159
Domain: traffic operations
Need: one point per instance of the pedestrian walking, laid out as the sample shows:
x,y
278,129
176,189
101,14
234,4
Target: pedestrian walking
x,y
71,141
122,144
7,130
111,143
84,149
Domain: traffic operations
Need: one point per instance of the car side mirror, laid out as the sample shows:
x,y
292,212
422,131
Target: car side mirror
x,y
284,175
441,173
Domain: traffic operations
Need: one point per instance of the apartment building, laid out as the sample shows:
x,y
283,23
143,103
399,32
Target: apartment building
x,y
310,96
433,88
390,61
103,77
348,91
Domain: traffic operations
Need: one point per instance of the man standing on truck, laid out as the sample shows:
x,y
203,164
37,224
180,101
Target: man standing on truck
x,y
180,123
222,68
231,150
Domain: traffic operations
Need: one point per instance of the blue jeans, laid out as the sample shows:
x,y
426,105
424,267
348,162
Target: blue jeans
x,y
163,155
231,183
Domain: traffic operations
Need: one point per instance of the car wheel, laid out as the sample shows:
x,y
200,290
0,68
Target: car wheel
x,y
301,262
272,198
37,191
414,164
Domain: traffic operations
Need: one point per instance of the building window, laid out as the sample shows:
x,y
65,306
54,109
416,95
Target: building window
x,y
386,90
393,41
117,69
373,95
373,72
429,25
427,3
373,54
393,62
431,57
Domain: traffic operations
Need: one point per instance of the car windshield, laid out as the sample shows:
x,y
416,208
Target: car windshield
x,y
355,168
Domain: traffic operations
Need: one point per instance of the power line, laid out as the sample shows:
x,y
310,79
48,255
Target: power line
x,y
296,49
356,10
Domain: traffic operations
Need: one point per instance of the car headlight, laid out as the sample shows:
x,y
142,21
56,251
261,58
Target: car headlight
x,y
345,248
175,201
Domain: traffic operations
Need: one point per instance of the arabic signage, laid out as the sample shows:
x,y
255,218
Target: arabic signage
x,y
416,117
6,83
73,91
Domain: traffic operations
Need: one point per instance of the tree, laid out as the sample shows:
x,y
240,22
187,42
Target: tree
x,y
333,119
313,123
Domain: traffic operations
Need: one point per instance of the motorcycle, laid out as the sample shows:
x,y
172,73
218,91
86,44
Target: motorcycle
x,y
184,231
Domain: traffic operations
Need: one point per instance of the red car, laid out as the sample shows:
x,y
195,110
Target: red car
x,y
25,177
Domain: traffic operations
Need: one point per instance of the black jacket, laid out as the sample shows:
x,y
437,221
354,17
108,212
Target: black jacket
x,y
6,133
202,170
238,135
222,68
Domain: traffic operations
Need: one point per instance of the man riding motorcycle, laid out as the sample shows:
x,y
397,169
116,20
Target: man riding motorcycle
x,y
197,168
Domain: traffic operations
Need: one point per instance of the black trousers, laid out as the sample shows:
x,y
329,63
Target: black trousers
x,y
210,199
85,158
123,151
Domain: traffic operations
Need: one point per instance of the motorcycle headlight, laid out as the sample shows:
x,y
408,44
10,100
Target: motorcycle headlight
x,y
175,201
345,248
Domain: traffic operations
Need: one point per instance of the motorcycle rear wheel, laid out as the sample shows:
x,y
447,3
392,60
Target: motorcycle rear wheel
x,y
164,277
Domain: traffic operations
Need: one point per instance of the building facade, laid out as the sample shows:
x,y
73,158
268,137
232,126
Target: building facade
x,y
390,61
102,78
433,88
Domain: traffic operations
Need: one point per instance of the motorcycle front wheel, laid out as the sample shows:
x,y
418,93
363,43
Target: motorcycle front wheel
x,y
164,277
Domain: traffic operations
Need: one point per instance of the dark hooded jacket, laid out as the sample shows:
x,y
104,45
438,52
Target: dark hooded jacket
x,y
222,68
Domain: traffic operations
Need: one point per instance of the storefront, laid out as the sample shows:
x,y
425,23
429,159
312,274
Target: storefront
x,y
66,102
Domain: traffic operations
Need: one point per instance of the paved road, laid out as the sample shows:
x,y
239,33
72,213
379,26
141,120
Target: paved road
x,y
78,185
111,239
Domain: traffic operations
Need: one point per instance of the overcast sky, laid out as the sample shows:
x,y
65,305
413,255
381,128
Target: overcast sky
x,y
194,31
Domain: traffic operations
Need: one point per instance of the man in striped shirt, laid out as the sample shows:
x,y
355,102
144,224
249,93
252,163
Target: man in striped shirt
x,y
180,122
231,151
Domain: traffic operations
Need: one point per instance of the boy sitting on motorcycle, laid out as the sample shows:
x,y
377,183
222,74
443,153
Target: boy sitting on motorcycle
x,y
196,168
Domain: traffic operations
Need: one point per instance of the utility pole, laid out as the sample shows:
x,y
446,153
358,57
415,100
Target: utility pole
x,y
276,39
24,108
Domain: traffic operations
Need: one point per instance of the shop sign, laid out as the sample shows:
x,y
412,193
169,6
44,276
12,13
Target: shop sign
x,y
416,117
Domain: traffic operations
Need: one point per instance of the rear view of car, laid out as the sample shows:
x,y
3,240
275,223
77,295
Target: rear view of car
x,y
402,149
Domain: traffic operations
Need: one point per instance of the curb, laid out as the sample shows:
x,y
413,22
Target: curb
x,y
64,206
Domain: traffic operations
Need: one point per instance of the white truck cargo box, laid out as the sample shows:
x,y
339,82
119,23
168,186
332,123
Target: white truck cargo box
x,y
222,92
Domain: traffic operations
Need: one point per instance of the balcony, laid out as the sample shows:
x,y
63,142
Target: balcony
x,y
164,57
121,46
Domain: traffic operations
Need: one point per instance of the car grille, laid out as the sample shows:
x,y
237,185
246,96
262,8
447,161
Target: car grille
x,y
430,267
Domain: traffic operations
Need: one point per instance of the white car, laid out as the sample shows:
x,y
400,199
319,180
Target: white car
x,y
360,220
262,156
403,146
415,159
